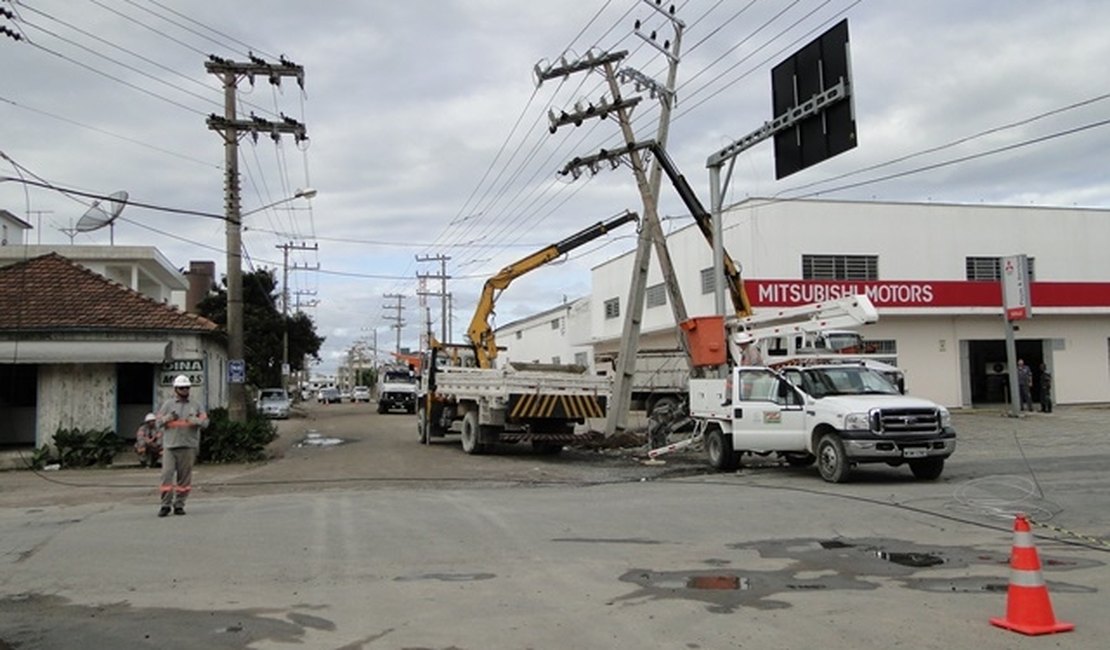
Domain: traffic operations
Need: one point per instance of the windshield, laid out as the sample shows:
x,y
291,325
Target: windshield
x,y
272,394
820,382
844,341
399,377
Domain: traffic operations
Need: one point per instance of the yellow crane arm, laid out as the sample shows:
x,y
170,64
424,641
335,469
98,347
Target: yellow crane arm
x,y
480,332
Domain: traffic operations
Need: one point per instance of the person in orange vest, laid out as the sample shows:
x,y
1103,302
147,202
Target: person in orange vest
x,y
181,420
148,442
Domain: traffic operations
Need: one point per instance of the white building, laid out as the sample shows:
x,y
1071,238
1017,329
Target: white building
x,y
559,335
12,229
139,268
932,271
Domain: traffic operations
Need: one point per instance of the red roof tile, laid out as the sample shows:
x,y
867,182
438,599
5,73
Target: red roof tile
x,y
54,293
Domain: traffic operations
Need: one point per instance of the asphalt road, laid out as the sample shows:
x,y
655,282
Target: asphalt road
x,y
380,542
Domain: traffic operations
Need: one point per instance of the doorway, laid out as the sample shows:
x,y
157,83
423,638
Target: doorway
x,y
990,382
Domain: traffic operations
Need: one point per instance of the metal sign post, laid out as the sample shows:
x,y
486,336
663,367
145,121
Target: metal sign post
x,y
1015,306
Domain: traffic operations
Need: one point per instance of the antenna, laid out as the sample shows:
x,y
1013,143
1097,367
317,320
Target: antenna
x,y
97,217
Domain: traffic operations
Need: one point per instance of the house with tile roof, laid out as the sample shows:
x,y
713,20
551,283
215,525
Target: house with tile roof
x,y
80,350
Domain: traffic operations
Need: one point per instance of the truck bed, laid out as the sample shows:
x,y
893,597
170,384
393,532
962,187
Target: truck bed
x,y
473,383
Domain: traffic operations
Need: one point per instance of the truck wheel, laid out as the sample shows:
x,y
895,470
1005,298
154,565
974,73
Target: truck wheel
x,y
832,462
382,408
471,434
927,469
422,424
718,449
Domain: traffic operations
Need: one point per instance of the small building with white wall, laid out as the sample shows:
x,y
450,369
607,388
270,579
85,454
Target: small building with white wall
x,y
931,269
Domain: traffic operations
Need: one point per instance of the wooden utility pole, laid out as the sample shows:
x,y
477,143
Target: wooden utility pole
x,y
651,233
231,128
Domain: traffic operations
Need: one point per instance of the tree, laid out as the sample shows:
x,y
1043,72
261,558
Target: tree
x,y
264,327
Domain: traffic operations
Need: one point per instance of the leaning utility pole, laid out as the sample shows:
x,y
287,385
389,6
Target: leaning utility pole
x,y
651,234
442,277
285,248
230,127
398,322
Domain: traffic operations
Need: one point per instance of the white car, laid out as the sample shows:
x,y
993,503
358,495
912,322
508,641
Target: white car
x,y
274,403
360,394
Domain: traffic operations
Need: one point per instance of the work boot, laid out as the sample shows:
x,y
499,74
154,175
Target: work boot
x,y
178,510
163,511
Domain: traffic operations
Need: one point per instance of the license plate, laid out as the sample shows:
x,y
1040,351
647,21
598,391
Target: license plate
x,y
914,453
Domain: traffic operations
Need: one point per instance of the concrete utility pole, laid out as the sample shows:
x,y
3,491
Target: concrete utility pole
x,y
398,322
285,248
231,128
442,277
651,234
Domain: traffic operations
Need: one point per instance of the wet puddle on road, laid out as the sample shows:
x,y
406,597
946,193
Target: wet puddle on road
x,y
314,439
836,564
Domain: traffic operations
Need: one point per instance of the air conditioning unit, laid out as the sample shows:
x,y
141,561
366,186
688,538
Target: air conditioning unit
x,y
995,368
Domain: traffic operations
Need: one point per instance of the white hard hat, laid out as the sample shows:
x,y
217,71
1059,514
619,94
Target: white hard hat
x,y
150,417
181,381
743,337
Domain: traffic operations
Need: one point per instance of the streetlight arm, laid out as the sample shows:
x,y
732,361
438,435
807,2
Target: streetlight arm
x,y
306,193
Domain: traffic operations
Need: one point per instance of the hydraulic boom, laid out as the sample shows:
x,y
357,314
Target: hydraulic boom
x,y
480,332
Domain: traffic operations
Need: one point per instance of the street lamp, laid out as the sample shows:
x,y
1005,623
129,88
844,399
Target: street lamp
x,y
306,193
237,366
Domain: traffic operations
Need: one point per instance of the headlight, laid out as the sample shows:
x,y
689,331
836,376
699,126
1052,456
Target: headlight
x,y
945,418
856,422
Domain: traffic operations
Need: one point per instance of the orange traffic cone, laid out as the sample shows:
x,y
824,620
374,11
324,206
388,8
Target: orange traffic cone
x,y
1028,609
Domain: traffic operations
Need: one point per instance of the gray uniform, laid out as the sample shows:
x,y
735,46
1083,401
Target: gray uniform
x,y
182,421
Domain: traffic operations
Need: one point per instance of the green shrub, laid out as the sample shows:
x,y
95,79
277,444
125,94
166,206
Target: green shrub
x,y
77,448
225,441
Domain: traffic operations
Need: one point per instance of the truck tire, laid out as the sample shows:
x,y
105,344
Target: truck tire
x,y
927,469
832,462
382,407
422,425
472,434
718,450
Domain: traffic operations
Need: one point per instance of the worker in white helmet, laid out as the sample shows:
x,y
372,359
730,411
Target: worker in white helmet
x,y
181,420
148,442
749,352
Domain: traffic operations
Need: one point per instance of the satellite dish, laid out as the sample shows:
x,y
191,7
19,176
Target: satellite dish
x,y
96,217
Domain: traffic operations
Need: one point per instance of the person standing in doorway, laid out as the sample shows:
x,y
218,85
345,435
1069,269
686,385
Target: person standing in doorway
x,y
182,421
1046,390
1025,385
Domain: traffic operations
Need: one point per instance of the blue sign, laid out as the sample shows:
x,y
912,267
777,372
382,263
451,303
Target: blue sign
x,y
236,371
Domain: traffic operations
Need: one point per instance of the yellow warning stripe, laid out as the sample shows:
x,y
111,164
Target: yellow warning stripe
x,y
545,406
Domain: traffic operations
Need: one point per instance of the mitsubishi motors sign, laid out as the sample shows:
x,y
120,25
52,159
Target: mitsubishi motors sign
x,y
1015,287
928,293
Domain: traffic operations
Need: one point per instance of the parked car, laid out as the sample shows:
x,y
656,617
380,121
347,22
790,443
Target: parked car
x,y
274,403
330,396
360,394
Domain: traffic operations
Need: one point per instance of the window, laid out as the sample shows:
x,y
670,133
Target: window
x,y
556,360
519,334
840,267
708,281
612,308
989,268
656,295
581,359
555,323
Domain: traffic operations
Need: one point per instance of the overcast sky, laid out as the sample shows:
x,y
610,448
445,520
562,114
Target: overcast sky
x,y
428,135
